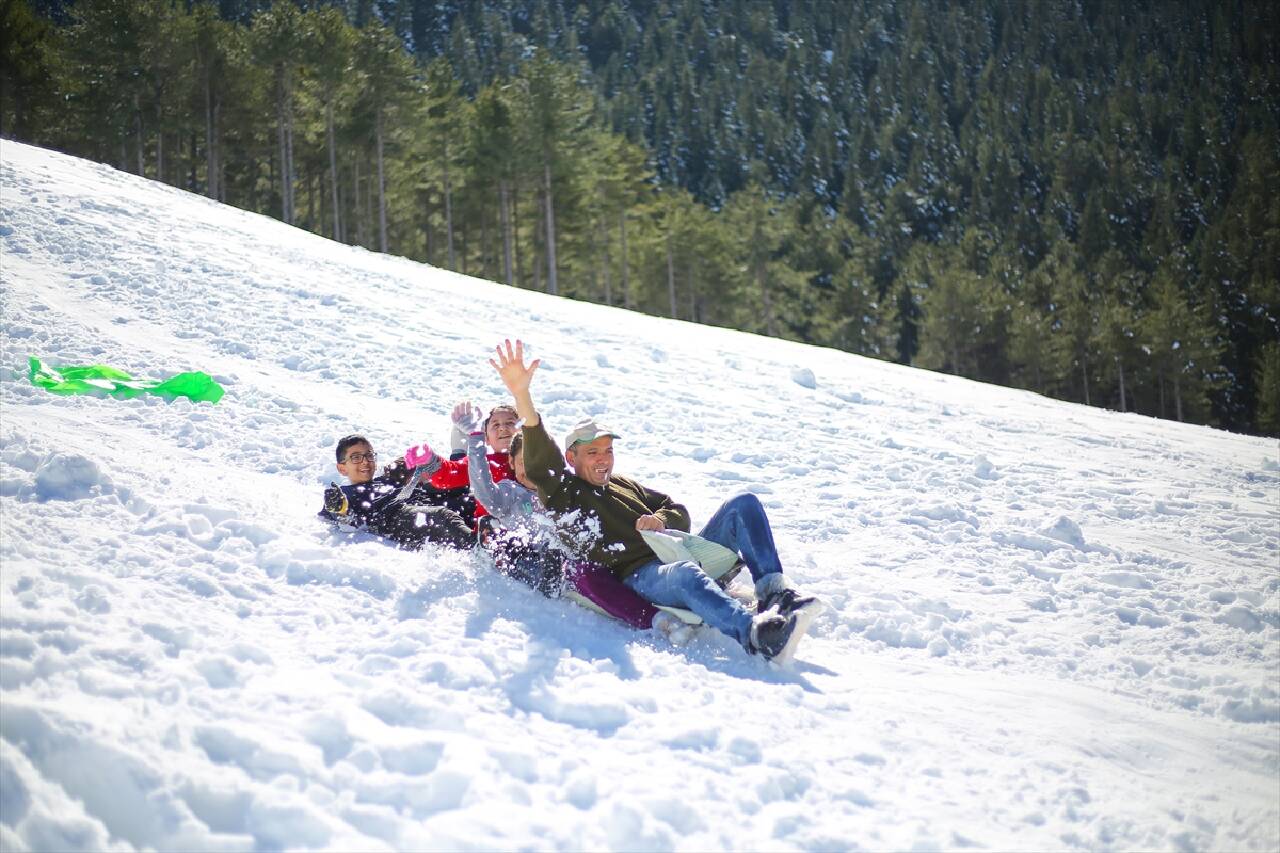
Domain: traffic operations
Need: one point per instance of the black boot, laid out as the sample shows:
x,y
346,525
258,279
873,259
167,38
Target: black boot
x,y
785,601
775,592
774,636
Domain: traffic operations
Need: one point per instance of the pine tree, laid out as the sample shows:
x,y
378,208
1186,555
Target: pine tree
x,y
385,76
1117,336
558,116
442,117
1268,419
277,43
495,158
330,55
29,50
1183,345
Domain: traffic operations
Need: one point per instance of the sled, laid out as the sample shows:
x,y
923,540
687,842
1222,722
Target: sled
x,y
673,546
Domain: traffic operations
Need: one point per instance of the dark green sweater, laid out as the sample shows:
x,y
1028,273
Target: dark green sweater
x,y
598,523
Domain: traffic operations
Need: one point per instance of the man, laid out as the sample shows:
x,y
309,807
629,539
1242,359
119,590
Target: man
x,y
602,516
389,505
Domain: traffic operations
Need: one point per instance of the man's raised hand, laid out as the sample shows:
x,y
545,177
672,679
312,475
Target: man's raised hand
x,y
510,366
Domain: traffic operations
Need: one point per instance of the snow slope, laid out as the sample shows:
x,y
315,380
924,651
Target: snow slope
x,y
1050,626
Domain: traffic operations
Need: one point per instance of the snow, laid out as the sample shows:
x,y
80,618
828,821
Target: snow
x,y
1049,626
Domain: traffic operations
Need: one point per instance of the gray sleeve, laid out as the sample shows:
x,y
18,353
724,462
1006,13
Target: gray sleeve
x,y
503,500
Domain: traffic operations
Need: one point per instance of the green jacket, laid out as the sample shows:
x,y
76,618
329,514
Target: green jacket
x,y
598,523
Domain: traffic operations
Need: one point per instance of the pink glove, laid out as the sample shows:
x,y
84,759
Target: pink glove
x,y
419,455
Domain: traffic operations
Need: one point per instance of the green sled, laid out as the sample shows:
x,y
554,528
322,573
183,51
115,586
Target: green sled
x,y
99,378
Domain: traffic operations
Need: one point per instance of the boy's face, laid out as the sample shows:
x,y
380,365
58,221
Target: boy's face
x,y
517,466
359,464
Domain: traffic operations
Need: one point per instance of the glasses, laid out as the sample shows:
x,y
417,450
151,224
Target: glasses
x,y
357,458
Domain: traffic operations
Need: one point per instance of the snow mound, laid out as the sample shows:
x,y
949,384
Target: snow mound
x,y
69,477
1065,530
804,377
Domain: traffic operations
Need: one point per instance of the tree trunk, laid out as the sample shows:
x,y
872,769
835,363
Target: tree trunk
x,y
762,283
280,135
1177,396
1124,403
426,226
137,122
1160,380
762,280
536,239
159,153
515,233
504,212
448,211
605,265
333,170
368,211
382,187
313,221
355,206
693,289
219,168
222,176
594,265
487,252
462,239
211,163
288,139
1084,378
552,283
626,271
671,279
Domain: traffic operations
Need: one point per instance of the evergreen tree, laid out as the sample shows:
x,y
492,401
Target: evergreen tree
x,y
277,43
1268,419
441,119
1117,337
330,50
386,91
557,123
1069,183
1183,346
28,52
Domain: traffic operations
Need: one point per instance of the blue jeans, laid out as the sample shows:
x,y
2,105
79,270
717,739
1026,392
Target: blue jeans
x,y
741,526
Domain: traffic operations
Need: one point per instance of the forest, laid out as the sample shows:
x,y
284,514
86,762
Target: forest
x,y
1076,197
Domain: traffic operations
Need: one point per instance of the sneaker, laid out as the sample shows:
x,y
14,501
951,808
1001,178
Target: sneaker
x,y
786,601
773,636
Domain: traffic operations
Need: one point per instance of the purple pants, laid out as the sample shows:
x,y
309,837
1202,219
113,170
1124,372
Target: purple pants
x,y
596,584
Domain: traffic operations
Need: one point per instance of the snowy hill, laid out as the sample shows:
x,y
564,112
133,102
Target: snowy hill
x,y
1050,626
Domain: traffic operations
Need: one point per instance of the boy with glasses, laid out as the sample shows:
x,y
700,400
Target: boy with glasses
x,y
390,505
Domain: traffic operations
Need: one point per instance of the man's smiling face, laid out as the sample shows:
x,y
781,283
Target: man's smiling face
x,y
592,460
